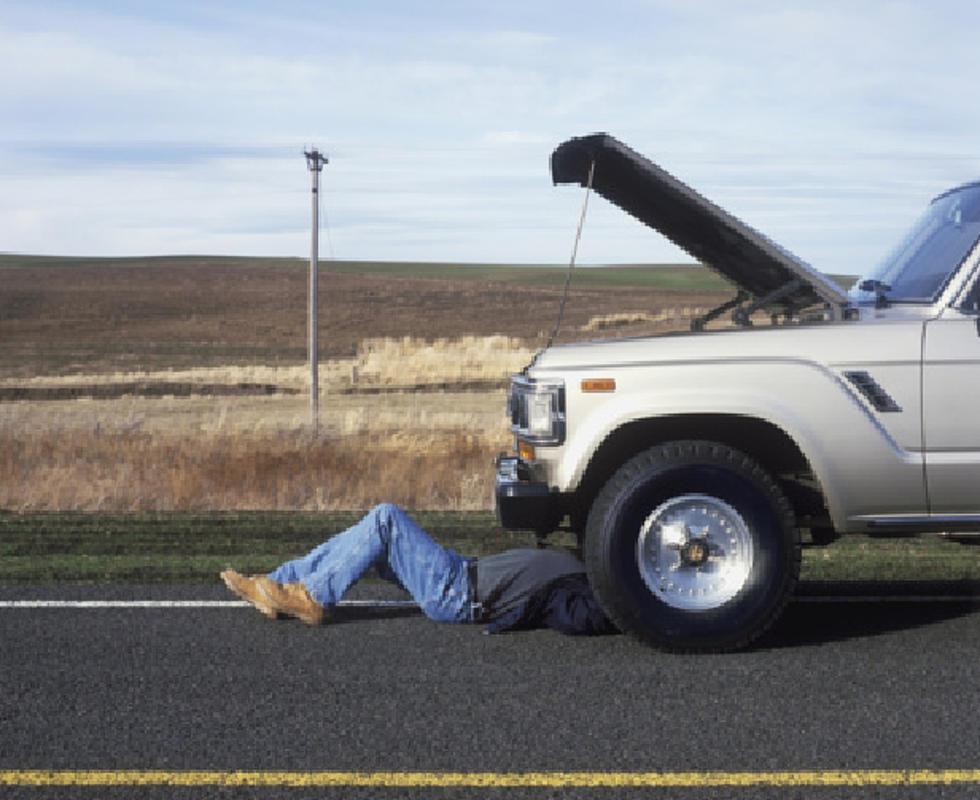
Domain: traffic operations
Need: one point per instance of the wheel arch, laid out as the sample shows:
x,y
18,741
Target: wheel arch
x,y
766,443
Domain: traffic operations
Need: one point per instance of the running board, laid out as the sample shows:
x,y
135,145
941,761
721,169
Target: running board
x,y
910,526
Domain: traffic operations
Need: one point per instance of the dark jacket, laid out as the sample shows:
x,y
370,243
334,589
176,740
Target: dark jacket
x,y
566,604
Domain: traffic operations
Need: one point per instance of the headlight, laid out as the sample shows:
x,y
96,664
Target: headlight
x,y
537,410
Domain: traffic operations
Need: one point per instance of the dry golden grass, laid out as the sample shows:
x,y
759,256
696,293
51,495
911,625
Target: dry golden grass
x,y
405,362
429,450
119,471
666,317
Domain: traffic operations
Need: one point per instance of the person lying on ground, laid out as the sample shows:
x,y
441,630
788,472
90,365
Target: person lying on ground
x,y
514,590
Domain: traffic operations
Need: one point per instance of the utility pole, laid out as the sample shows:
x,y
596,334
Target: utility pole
x,y
314,161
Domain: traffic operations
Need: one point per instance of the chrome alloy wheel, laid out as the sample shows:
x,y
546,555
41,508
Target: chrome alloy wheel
x,y
695,552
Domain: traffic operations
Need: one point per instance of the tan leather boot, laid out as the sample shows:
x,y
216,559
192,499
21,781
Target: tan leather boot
x,y
291,600
247,588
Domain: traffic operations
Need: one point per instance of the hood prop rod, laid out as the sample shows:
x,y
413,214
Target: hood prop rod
x,y
699,323
571,263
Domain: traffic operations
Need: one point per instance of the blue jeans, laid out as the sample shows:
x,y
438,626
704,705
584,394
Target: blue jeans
x,y
390,541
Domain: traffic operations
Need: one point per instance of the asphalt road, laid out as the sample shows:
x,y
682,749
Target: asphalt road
x,y
882,695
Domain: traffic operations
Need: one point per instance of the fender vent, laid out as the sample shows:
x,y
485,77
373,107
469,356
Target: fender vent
x,y
869,387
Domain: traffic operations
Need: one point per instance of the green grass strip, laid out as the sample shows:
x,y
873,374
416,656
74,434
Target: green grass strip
x,y
193,547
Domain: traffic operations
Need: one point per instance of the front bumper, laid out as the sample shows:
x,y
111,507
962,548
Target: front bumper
x,y
520,502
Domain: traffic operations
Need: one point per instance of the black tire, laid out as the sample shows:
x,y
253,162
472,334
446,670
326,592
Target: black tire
x,y
683,587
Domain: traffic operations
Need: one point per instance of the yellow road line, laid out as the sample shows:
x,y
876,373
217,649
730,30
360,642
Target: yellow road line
x,y
39,778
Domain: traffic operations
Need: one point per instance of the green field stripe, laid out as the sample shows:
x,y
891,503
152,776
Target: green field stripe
x,y
855,778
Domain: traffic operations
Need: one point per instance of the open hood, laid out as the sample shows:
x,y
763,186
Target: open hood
x,y
773,278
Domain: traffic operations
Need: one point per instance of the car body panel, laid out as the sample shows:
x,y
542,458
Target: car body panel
x,y
951,420
771,274
863,458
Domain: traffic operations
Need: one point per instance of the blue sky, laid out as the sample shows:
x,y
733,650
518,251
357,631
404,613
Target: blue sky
x,y
144,128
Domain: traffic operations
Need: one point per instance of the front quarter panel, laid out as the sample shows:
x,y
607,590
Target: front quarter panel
x,y
867,462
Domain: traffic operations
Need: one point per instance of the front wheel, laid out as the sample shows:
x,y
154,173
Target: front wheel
x,y
691,546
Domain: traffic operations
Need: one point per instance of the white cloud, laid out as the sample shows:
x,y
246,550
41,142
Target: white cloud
x,y
177,126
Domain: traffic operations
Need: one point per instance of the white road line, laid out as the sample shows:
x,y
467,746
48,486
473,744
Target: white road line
x,y
120,603
178,603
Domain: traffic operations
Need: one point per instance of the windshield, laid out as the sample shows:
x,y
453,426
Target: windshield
x,y
917,270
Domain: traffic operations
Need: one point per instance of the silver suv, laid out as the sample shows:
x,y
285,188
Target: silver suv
x,y
692,466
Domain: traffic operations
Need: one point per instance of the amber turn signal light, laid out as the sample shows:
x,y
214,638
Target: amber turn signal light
x,y
526,451
599,385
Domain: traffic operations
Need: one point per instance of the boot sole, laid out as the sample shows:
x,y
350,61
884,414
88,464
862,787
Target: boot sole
x,y
259,604
302,616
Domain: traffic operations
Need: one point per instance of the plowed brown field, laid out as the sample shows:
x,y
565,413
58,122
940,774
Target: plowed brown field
x,y
109,318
